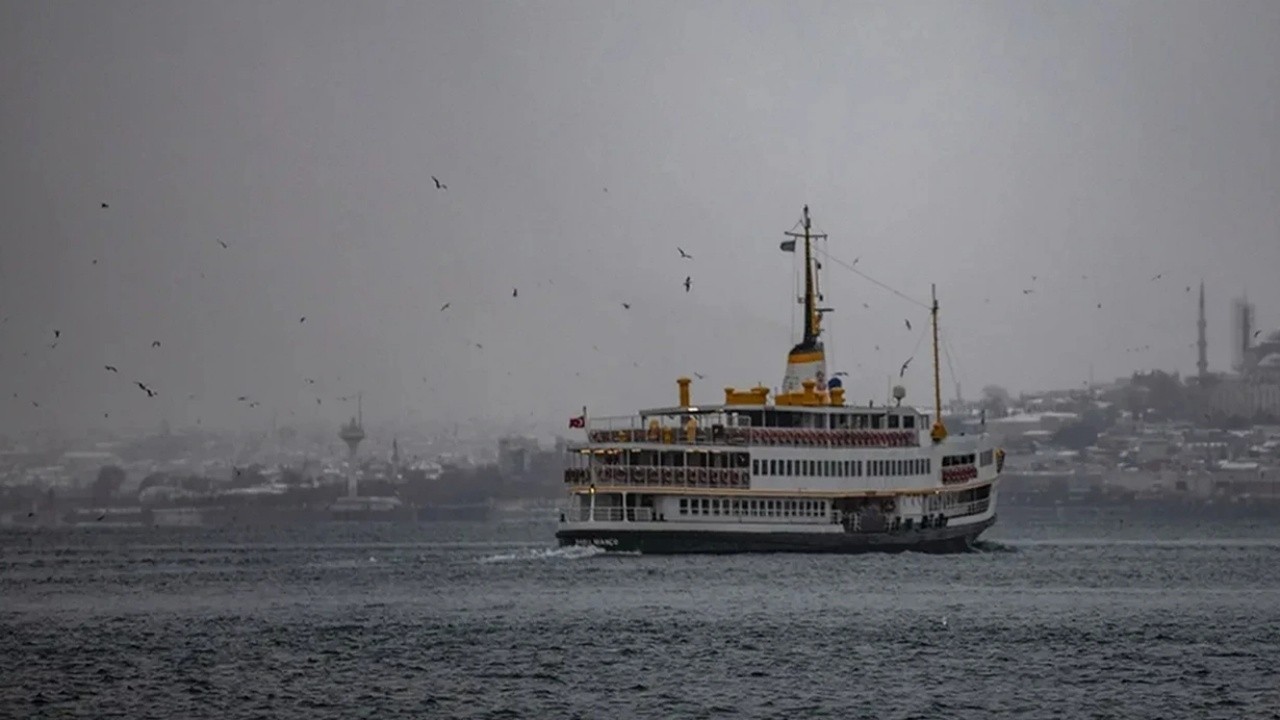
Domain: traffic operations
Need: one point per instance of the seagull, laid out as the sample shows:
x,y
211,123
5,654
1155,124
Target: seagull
x,y
112,368
908,322
318,401
105,206
700,376
254,404
1027,292
684,254
1256,333
147,390
310,381
903,370
302,319
224,245
242,398
515,292
479,346
444,307
842,373
155,343
688,281
57,334
1157,277
439,185
866,306
626,306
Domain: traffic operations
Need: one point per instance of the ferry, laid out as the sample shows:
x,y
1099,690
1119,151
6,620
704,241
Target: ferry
x,y
803,471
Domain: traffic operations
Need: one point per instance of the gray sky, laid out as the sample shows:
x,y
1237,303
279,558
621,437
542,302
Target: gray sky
x,y
969,144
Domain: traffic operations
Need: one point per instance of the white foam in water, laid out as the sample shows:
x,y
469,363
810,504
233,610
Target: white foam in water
x,y
572,552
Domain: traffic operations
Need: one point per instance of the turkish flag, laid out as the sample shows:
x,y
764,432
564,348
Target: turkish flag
x,y
578,422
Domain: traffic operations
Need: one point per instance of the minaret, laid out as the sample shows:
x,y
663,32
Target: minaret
x,y
1202,344
352,433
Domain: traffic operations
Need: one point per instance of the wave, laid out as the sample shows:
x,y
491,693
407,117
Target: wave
x,y
571,552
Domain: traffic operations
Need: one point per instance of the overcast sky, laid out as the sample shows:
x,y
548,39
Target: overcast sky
x,y
972,145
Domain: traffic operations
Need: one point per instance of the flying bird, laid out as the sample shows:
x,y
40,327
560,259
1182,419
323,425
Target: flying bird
x,y
515,292
1157,277
479,346
842,373
903,370
155,343
439,185
242,398
688,281
310,381
112,368
1027,292
444,307
700,376
302,319
57,333
1256,333
626,306
224,245
105,206
684,254
908,322
145,389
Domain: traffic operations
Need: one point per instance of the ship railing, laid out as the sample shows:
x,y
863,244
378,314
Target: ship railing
x,y
629,431
840,438
958,474
699,430
975,507
611,514
655,477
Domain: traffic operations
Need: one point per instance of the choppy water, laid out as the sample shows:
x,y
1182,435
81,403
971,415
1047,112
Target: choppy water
x,y
492,622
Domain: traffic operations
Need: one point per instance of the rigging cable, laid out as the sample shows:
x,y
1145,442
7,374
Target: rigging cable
x,y
872,280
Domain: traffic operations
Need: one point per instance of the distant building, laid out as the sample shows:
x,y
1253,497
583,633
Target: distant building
x,y
516,455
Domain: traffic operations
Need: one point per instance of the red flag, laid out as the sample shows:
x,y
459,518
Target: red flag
x,y
578,422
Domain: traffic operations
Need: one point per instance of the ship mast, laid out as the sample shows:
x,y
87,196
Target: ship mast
x,y
939,431
812,316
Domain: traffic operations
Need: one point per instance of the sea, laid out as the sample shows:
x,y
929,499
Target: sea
x,y
1051,617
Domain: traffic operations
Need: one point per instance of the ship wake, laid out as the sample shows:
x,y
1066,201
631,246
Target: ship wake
x,y
572,552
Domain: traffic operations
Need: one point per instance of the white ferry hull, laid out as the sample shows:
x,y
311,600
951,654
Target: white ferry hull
x,y
617,537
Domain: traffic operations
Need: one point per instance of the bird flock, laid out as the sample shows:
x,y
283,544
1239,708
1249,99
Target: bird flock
x,y
682,255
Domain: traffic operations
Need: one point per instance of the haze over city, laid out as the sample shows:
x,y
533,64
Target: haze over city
x,y
183,183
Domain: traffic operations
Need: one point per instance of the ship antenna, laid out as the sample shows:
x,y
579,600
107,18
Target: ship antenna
x,y
939,431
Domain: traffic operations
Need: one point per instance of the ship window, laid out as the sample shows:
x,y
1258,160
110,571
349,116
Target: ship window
x,y
893,422
684,506
909,422
813,468
706,506
773,467
755,467
788,462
